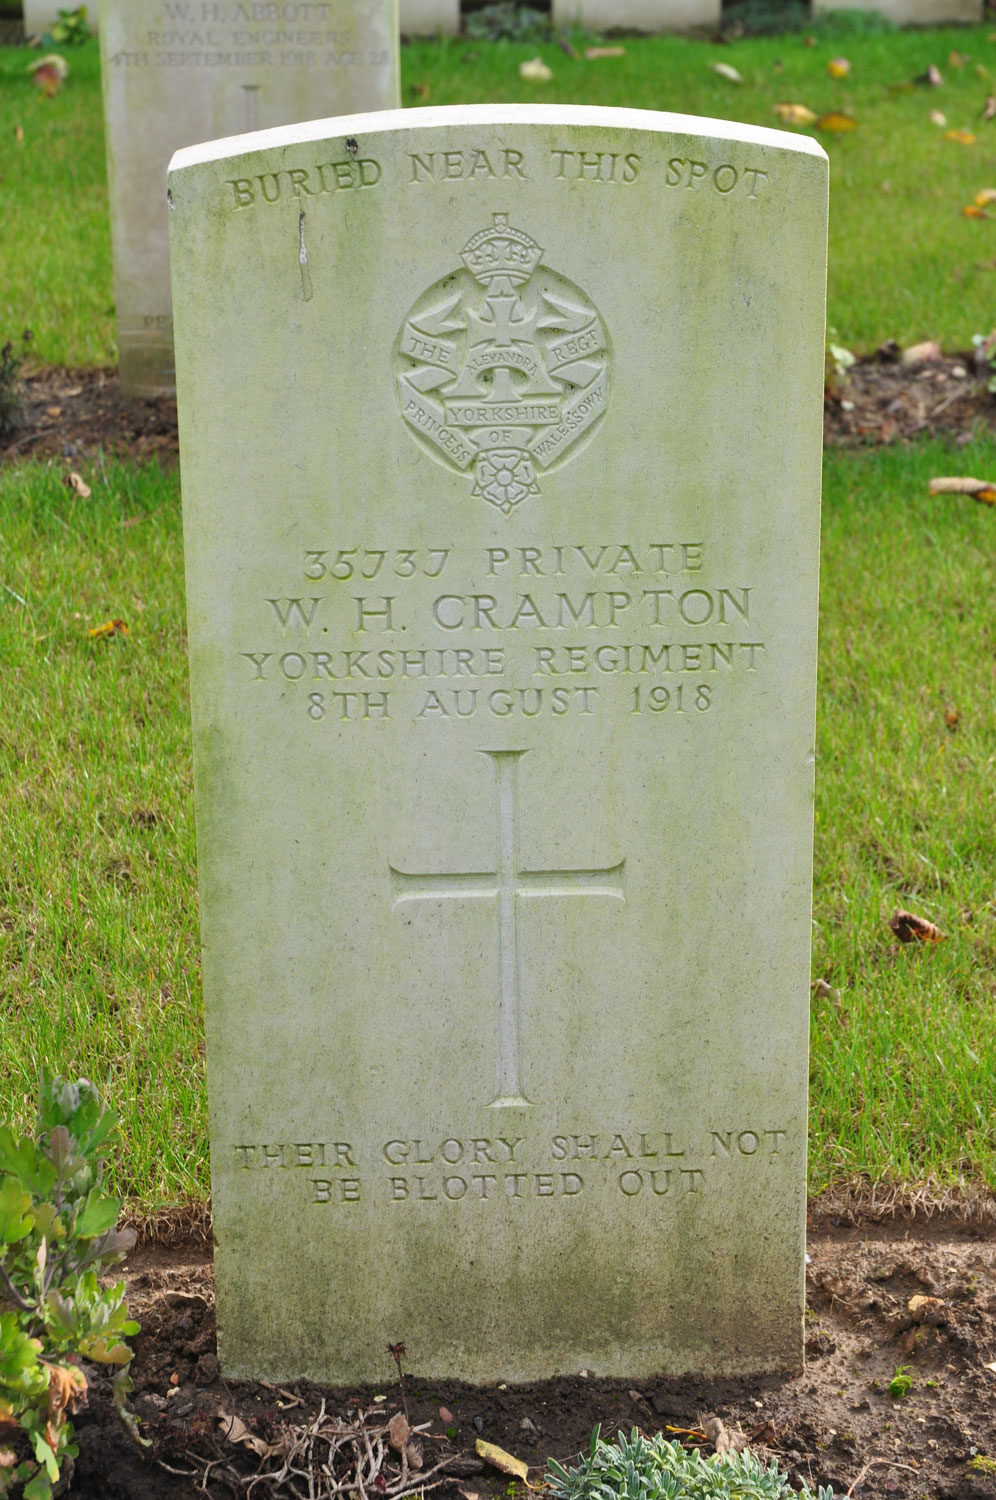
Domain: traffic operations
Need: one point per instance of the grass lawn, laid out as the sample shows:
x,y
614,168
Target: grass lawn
x,y
99,971
905,263
98,929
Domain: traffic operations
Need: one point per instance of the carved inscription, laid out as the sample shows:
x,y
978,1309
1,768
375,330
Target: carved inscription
x,y
249,34
596,169
626,1164
558,631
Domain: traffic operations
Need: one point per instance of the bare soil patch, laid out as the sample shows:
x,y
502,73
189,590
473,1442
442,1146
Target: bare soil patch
x,y
75,415
836,1423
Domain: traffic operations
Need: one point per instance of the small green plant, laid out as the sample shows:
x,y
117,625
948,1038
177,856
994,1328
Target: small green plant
x,y
508,22
640,1468
11,408
901,1383
71,29
980,1464
57,1231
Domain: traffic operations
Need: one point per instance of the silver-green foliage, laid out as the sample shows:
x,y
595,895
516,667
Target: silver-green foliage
x,y
642,1468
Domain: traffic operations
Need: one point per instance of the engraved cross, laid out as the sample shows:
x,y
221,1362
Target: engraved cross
x,y
508,882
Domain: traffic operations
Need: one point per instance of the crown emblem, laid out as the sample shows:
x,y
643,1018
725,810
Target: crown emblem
x,y
501,251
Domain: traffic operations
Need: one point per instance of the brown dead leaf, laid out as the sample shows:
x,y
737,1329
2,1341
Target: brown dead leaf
x,y
952,718
592,53
235,1430
960,137
926,1310
19,134
66,1391
957,59
989,108
838,67
53,411
468,1494
824,991
909,928
836,119
809,41
973,211
567,47
794,114
985,196
721,1437
77,484
506,1463
763,1433
413,1452
398,1431
419,91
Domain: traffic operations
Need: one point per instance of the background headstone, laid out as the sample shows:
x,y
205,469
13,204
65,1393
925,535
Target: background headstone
x,y
180,71
40,15
427,17
911,12
501,441
640,15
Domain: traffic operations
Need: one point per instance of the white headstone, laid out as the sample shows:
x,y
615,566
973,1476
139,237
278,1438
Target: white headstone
x,y
41,15
912,12
638,15
428,17
501,440
180,71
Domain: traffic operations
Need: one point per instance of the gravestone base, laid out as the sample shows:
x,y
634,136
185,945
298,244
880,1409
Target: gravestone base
x,y
429,17
638,15
912,12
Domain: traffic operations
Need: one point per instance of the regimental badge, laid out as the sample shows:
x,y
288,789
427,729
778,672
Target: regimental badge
x,y
503,367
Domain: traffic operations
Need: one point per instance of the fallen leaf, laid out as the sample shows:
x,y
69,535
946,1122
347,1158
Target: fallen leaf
x,y
398,1431
468,1494
979,489
824,991
413,1452
19,134
535,71
595,52
763,1433
957,59
932,77
991,1367
836,120
918,354
909,928
53,411
809,41
116,627
77,484
419,91
49,73
838,67
951,718
988,110
727,71
499,1459
961,137
721,1437
926,1309
565,46
973,211
236,1431
937,118
794,114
